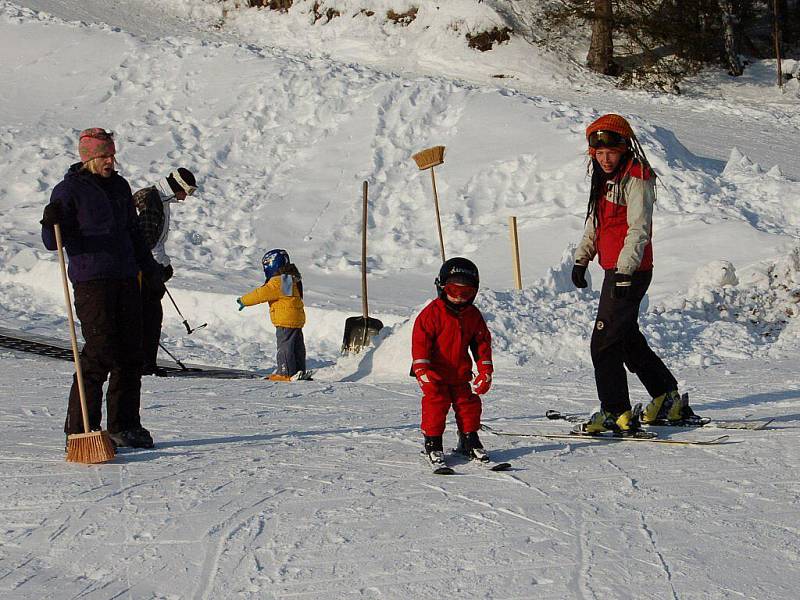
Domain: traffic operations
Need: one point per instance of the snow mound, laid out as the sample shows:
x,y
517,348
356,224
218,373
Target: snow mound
x,y
716,274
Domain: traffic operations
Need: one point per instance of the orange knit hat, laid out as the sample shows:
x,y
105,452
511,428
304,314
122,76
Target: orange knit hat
x,y
611,122
614,123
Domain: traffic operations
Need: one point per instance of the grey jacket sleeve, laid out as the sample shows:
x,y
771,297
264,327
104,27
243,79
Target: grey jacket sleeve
x,y
640,196
585,252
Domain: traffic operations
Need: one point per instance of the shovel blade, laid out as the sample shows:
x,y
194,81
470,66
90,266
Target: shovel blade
x,y
358,332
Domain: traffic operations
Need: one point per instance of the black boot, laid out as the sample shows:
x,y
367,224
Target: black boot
x,y
469,444
435,454
433,443
132,438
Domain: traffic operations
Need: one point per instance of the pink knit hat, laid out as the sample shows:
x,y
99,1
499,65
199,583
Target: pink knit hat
x,y
96,142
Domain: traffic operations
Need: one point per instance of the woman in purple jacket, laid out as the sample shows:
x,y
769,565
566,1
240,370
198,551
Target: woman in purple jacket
x,y
106,251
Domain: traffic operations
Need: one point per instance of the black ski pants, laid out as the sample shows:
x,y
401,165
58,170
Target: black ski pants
x,y
110,312
617,342
152,318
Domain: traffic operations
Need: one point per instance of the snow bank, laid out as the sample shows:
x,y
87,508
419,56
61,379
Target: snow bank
x,y
281,147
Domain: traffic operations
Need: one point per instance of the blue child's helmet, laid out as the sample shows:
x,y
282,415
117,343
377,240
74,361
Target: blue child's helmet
x,y
273,261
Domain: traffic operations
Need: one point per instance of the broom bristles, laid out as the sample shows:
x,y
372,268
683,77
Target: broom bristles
x,y
430,157
90,448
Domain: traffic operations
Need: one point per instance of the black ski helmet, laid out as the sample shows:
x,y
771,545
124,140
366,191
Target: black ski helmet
x,y
459,270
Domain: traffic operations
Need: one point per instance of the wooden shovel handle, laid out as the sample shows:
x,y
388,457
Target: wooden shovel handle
x,y
364,302
73,337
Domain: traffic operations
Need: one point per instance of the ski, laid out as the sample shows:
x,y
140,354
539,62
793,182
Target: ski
x,y
654,439
54,348
605,437
691,421
748,424
437,463
494,466
484,461
753,425
695,421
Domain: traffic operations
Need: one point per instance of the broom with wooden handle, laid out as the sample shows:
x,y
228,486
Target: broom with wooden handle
x,y
427,159
89,447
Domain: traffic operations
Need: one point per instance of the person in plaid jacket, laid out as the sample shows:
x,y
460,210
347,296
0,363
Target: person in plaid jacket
x,y
153,206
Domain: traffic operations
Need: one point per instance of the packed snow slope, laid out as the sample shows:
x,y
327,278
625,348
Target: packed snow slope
x,y
273,492
315,489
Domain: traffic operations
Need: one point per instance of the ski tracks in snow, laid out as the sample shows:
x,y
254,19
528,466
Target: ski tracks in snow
x,y
224,533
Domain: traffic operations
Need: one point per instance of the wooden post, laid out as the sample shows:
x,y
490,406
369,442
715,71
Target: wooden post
x,y
512,225
777,32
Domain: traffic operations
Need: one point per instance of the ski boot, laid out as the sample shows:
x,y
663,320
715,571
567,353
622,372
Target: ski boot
x,y
435,454
671,408
682,414
469,444
625,423
302,376
659,407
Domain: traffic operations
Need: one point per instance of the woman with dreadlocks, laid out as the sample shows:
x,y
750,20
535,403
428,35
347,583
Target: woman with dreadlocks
x,y
619,231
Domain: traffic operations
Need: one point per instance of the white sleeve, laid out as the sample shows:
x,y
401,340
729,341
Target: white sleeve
x,y
640,196
586,250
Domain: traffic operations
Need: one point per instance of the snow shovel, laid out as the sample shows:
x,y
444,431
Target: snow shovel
x,y
89,447
359,330
427,159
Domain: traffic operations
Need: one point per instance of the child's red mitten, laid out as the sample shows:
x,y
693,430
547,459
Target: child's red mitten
x,y
427,378
482,382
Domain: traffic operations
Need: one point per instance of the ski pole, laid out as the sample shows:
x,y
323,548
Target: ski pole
x,y
189,330
554,415
172,356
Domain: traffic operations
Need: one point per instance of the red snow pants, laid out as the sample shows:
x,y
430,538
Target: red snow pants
x,y
436,404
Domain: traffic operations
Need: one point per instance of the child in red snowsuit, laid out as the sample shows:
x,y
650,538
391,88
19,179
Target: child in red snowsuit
x,y
443,333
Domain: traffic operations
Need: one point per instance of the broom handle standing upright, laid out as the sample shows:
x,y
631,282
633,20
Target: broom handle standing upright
x,y
73,337
364,303
438,219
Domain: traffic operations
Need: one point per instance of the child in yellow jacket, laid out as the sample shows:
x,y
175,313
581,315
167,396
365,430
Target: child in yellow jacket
x,y
283,290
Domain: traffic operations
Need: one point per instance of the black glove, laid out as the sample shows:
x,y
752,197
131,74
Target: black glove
x,y
579,276
168,273
51,215
622,285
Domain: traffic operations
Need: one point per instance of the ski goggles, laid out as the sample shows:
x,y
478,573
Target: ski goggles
x,y
189,189
606,139
459,291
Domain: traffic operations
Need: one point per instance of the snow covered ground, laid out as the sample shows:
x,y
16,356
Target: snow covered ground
x,y
316,489
256,490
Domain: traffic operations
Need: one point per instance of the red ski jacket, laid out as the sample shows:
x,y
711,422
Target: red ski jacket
x,y
623,236
441,338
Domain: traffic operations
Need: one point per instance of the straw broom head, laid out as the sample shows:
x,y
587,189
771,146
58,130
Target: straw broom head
x,y
90,448
430,157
